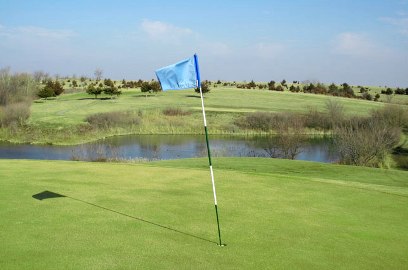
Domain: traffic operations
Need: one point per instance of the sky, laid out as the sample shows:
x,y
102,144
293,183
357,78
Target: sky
x,y
361,42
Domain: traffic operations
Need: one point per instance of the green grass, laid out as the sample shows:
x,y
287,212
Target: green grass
x,y
72,109
275,214
63,120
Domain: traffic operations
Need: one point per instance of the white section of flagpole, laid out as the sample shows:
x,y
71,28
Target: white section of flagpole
x,y
209,160
202,105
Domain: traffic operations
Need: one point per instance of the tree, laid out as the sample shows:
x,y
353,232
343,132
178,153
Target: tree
x,y
252,84
205,88
46,92
389,91
112,91
152,86
335,110
92,90
283,83
108,82
365,142
51,87
98,74
279,88
271,85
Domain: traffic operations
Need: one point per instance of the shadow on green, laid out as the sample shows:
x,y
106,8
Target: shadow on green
x,y
51,195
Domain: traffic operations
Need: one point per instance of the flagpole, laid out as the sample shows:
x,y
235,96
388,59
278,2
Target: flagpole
x,y
208,148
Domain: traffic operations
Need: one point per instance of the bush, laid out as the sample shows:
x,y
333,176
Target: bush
x,y
113,119
365,142
267,121
46,92
317,120
51,89
92,90
175,112
112,90
257,121
205,88
399,91
15,88
15,114
392,115
271,85
335,111
367,96
152,86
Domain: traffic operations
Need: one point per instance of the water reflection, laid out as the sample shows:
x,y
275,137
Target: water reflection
x,y
153,147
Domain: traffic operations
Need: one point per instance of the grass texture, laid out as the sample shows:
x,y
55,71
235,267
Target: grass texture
x,y
275,214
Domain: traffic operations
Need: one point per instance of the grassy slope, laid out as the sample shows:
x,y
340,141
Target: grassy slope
x,y
73,108
274,214
57,121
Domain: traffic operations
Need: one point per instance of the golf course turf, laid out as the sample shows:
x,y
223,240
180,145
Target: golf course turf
x,y
274,214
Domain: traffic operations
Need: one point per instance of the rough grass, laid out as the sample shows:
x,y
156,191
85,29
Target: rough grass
x,y
274,214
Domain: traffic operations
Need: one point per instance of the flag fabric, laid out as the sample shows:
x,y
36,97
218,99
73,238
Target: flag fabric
x,y
181,75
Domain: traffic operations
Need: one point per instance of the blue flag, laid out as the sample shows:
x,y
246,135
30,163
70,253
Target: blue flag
x,y
181,75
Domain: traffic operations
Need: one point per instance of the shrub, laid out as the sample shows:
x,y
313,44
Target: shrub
x,y
399,91
279,88
365,142
335,111
205,88
367,96
113,119
392,115
51,89
15,114
258,121
46,92
92,90
14,88
152,86
271,85
112,90
317,120
175,112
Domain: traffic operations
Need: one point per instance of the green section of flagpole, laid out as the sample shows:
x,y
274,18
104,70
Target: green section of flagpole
x,y
208,145
210,163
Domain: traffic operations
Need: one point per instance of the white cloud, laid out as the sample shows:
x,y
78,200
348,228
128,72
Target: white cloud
x,y
354,44
161,31
401,22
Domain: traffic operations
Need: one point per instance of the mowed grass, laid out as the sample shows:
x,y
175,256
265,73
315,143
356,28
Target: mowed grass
x,y
275,214
63,120
71,109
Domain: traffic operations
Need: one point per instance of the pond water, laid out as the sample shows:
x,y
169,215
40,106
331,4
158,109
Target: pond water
x,y
152,147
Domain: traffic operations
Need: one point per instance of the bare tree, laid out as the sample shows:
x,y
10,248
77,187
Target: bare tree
x,y
335,110
365,142
98,74
40,75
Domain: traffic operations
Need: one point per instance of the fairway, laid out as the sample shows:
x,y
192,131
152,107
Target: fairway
x,y
274,214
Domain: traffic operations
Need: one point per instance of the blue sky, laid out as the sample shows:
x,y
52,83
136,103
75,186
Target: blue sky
x,y
354,41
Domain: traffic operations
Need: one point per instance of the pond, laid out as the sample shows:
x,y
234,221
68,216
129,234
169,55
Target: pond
x,y
156,147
